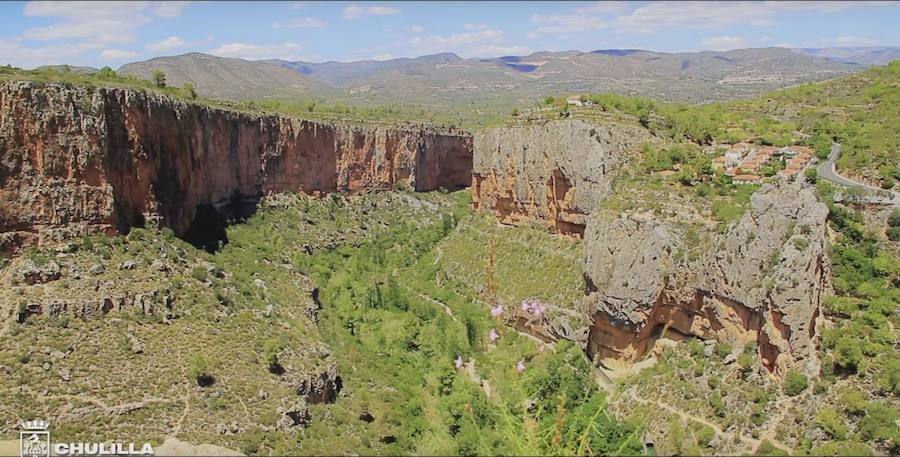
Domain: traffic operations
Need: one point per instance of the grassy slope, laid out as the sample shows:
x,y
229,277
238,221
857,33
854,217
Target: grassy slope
x,y
393,319
858,111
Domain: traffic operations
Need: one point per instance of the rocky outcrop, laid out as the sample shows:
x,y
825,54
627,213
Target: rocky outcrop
x,y
554,172
762,278
151,302
77,158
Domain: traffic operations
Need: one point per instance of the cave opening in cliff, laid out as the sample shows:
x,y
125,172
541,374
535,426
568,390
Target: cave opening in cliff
x,y
207,230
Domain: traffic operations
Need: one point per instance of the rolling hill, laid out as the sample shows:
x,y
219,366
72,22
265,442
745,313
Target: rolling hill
x,y
446,80
233,79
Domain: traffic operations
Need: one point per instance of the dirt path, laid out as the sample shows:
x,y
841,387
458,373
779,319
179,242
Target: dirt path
x,y
753,443
771,427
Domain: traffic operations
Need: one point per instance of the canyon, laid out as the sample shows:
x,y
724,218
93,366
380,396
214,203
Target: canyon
x,y
77,159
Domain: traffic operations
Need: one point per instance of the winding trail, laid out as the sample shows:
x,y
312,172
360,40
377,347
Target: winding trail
x,y
753,444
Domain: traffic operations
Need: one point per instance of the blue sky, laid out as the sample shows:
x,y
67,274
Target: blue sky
x,y
113,33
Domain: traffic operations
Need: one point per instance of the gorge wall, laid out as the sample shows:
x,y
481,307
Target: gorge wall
x,y
554,172
763,278
760,279
77,158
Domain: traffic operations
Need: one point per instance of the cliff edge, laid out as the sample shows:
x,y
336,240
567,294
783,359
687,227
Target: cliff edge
x,y
77,159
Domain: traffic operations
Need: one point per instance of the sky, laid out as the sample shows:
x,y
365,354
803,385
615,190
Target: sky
x,y
106,33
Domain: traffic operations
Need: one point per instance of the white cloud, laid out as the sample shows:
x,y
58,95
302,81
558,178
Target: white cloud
x,y
355,11
82,9
481,43
565,23
382,10
492,50
417,29
603,7
14,53
299,23
117,54
458,39
295,5
169,9
285,51
93,22
652,16
719,14
724,43
86,26
173,42
848,41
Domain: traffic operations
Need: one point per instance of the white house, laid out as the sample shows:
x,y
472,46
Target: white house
x,y
574,100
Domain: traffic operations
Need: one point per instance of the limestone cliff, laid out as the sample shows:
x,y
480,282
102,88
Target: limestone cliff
x,y
553,172
76,158
763,278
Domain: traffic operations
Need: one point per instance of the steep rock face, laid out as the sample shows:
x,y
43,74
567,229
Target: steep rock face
x,y
75,159
764,279
553,172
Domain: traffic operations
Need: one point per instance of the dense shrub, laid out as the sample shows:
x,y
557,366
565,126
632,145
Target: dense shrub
x,y
795,383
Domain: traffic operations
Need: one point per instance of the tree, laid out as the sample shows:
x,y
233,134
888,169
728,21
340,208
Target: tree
x,y
106,73
795,383
848,353
159,78
199,371
894,219
188,88
811,175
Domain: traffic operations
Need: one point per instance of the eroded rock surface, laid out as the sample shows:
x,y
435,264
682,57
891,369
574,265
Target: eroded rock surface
x,y
763,278
554,172
76,159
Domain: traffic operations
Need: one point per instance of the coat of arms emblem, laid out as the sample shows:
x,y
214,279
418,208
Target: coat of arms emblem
x,y
34,438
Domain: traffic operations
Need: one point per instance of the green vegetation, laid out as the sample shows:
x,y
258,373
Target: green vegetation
x,y
394,319
103,77
893,230
857,111
518,251
394,314
297,107
862,346
795,383
159,78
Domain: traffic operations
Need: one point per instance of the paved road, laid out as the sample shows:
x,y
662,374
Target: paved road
x,y
876,195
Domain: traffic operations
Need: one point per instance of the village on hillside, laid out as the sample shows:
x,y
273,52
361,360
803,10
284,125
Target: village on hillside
x,y
744,161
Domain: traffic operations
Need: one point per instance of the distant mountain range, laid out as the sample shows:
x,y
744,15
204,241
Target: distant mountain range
x,y
878,55
448,80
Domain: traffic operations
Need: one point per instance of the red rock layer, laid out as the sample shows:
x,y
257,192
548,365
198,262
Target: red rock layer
x,y
76,158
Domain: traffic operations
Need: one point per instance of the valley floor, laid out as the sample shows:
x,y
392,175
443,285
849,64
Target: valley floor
x,y
362,325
